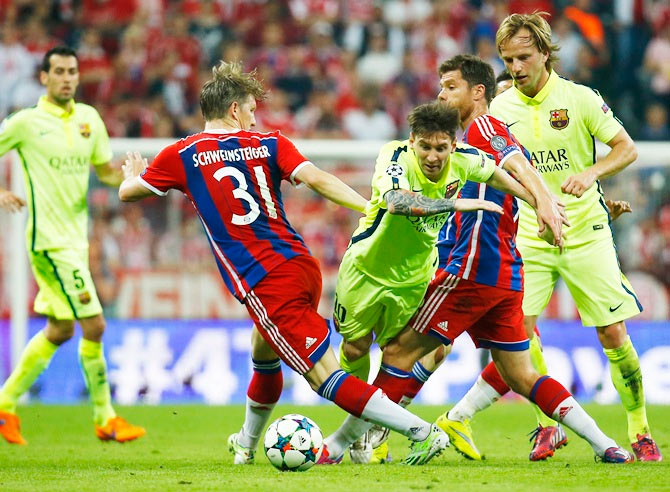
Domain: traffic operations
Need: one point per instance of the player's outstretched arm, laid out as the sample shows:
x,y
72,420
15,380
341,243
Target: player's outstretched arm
x,y
331,187
131,188
550,211
10,202
411,204
622,153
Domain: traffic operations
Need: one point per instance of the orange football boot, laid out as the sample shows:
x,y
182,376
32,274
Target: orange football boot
x,y
117,429
10,428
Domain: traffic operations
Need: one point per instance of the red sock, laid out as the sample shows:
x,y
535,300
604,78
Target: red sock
x,y
413,387
266,382
547,393
393,382
491,375
347,392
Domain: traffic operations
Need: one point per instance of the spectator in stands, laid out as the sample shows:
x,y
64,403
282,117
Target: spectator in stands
x,y
369,122
655,123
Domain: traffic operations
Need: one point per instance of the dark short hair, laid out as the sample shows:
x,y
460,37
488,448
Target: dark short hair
x,y
229,84
58,50
503,77
435,117
474,71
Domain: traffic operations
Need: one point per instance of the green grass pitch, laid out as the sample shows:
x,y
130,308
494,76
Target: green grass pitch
x,y
185,450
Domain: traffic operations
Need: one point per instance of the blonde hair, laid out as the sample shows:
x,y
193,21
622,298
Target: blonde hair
x,y
539,29
228,84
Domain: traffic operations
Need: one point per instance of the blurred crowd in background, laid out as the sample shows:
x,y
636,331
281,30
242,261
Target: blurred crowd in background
x,y
336,69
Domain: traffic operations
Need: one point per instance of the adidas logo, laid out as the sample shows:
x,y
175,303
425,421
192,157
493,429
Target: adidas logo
x,y
309,341
563,411
443,325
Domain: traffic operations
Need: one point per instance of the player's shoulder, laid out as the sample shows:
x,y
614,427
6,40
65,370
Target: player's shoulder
x,y
14,122
576,89
85,109
486,126
464,149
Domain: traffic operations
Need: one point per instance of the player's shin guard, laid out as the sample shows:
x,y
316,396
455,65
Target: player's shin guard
x,y
556,401
359,367
372,406
627,379
262,395
488,389
537,359
94,368
34,359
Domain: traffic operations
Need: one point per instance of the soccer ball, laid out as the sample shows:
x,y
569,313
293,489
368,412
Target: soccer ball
x,y
293,442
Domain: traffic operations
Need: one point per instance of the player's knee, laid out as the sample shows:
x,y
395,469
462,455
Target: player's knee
x,y
612,336
357,349
93,328
59,331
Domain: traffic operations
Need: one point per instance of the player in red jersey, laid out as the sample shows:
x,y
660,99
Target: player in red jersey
x,y
465,296
232,175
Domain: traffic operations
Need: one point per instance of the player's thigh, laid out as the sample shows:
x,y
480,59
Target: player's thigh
x,y
602,293
501,327
357,308
451,306
287,319
66,289
400,304
540,271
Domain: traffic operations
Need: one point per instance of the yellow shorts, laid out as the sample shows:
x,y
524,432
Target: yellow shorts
x,y
592,274
362,305
65,283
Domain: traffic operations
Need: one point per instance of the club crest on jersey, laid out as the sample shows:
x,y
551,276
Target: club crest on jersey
x,y
498,142
395,171
558,118
85,297
451,189
85,130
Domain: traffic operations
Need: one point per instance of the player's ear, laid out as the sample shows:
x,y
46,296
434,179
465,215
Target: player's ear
x,y
453,144
43,77
411,138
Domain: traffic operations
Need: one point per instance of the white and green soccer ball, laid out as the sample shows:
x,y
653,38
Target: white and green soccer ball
x,y
293,443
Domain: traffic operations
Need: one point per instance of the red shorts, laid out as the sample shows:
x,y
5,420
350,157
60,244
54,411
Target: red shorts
x,y
283,306
492,316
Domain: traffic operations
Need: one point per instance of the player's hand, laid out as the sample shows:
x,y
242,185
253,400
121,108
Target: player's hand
x,y
134,165
618,207
471,204
10,202
547,235
578,184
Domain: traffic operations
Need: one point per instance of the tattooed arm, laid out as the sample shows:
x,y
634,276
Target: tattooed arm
x,y
411,204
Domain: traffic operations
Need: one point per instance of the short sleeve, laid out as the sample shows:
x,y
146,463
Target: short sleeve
x,y
391,169
165,172
598,117
102,151
492,136
289,159
10,133
478,166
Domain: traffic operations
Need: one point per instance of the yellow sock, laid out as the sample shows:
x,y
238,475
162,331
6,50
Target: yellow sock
x,y
627,379
34,359
94,368
537,358
359,367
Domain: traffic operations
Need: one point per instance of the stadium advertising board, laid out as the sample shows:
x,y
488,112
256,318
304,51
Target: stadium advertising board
x,y
207,361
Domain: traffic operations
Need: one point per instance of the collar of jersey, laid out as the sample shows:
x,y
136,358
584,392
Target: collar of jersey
x,y
542,95
45,105
423,179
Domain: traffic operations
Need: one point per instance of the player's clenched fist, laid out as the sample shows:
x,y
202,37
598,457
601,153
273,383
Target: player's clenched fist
x,y
10,202
576,185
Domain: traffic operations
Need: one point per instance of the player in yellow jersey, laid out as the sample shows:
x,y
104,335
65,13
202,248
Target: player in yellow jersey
x,y
557,121
58,140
